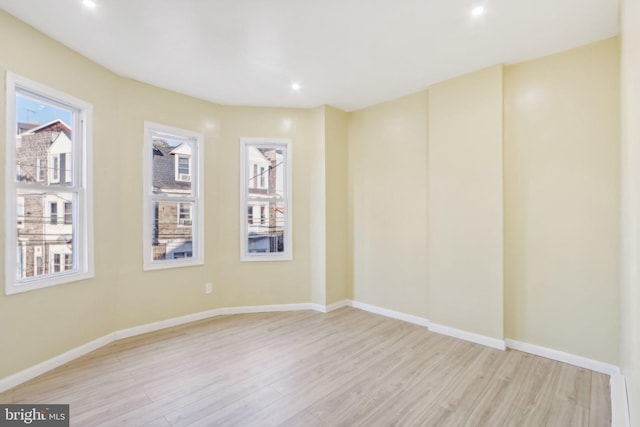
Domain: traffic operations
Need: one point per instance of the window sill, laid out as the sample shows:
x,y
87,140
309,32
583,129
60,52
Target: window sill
x,y
35,283
172,263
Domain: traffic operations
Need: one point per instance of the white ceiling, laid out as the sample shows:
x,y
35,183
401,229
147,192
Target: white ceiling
x,y
345,53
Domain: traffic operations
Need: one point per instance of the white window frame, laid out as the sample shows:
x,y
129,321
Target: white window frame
x,y
82,188
196,197
245,185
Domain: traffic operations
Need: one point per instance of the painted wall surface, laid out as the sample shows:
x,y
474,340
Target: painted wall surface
x,y
388,179
465,203
256,283
149,296
630,155
318,210
38,325
561,201
338,255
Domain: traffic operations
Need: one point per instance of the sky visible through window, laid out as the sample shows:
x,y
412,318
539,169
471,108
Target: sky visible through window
x,y
30,110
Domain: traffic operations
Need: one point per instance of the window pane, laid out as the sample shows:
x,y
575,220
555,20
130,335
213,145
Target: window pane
x,y
172,230
41,234
265,227
171,166
43,142
266,171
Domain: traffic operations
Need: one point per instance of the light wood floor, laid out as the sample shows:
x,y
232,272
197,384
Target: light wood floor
x,y
345,368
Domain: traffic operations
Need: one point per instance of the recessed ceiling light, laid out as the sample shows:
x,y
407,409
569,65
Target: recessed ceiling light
x,y
477,11
89,4
296,87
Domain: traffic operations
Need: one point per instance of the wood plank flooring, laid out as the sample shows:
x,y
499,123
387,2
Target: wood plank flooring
x,y
345,368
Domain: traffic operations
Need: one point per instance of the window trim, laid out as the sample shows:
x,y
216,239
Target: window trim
x,y
287,255
197,197
83,166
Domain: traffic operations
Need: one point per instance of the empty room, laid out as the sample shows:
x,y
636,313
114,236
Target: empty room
x,y
331,213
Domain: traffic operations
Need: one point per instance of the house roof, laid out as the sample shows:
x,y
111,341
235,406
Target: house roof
x,y
164,172
53,126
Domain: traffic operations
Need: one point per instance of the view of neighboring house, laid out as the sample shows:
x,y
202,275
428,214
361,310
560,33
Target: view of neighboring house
x,y
265,215
172,232
44,217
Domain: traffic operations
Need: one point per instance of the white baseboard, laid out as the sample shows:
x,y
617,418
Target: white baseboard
x,y
266,308
619,402
339,304
561,356
163,324
468,336
18,378
319,307
391,313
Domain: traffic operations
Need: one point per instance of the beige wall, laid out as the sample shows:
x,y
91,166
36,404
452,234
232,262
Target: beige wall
x,y
149,296
38,325
465,203
256,283
388,179
561,201
630,291
338,255
318,215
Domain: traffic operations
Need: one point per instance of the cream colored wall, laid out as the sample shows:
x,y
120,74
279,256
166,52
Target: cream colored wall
x,y
388,214
149,296
338,255
318,211
38,325
630,155
561,201
465,203
256,283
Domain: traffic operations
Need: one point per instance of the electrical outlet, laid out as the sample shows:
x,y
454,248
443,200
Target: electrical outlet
x,y
208,288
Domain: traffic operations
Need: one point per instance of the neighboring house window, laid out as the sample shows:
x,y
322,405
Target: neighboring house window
x,y
55,170
262,177
56,263
68,262
269,238
54,213
183,167
41,169
184,213
33,229
254,178
68,213
173,197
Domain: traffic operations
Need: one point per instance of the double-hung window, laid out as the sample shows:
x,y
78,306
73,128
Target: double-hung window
x,y
265,189
43,126
173,197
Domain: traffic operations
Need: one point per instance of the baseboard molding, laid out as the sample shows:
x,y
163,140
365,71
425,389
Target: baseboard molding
x,y
391,313
18,378
561,356
339,304
468,336
266,308
619,402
